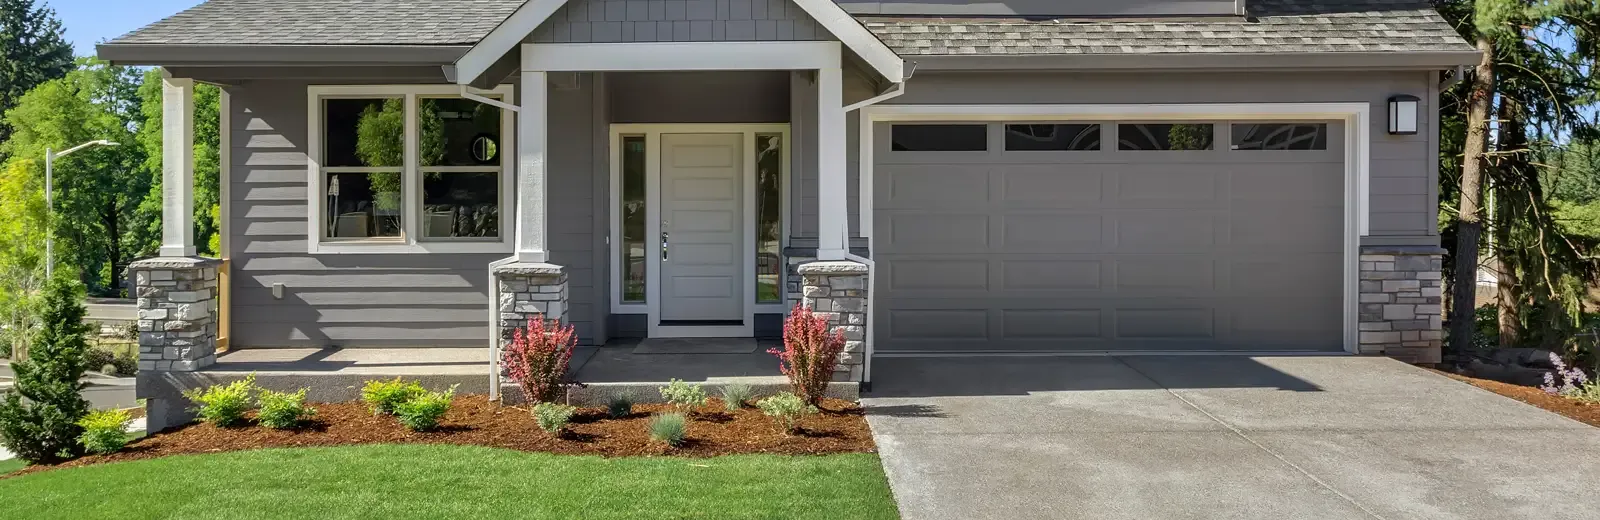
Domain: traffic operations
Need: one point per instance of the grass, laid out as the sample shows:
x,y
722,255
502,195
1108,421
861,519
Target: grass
x,y
440,481
10,465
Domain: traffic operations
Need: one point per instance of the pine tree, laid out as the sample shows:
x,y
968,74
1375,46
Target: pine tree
x,y
32,51
39,415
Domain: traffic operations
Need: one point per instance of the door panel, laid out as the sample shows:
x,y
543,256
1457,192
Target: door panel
x,y
701,224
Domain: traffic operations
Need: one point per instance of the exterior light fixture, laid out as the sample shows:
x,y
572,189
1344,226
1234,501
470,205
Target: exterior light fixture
x,y
1403,114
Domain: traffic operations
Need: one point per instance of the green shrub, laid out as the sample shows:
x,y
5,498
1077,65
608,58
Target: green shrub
x,y
104,431
553,417
223,405
670,428
383,396
422,412
282,410
39,415
786,409
734,395
619,406
683,395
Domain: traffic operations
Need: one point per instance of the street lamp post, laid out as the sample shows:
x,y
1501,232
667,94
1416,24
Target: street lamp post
x,y
49,200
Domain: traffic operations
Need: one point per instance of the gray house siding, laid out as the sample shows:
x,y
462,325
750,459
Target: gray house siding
x,y
1404,167
612,21
699,97
357,300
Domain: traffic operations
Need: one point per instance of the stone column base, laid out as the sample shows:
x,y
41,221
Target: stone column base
x,y
529,289
1401,302
177,300
837,290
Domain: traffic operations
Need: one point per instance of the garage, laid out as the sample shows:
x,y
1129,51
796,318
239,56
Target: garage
x,y
1108,235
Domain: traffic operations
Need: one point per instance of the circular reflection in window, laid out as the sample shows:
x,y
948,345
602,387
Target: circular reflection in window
x,y
484,149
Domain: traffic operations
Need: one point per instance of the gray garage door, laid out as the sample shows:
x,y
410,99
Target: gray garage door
x,y
1107,236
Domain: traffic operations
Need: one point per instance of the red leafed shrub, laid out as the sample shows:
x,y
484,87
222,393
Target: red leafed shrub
x,y
810,353
537,358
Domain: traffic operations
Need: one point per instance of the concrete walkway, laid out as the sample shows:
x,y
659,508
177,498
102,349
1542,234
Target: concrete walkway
x,y
1203,437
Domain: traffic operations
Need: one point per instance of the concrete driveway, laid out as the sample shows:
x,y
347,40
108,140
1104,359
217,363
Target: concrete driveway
x,y
1206,437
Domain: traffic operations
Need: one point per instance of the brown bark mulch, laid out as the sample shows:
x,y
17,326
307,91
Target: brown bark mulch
x,y
841,427
1571,408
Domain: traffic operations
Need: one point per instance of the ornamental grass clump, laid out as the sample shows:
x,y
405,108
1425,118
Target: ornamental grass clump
x,y
619,405
282,410
670,428
104,431
537,358
786,409
552,417
683,396
383,396
810,353
422,413
734,395
223,405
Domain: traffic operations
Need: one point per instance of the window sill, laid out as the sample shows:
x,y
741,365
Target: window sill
x,y
419,248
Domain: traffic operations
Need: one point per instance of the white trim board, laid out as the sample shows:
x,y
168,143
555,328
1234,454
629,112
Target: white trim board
x,y
517,27
411,174
651,308
1358,143
679,56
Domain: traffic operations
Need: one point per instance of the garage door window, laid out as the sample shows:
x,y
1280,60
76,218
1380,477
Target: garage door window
x,y
1052,138
939,138
1280,136
1162,136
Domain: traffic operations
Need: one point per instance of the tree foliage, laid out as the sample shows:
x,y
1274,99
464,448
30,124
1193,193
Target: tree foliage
x,y
39,415
32,51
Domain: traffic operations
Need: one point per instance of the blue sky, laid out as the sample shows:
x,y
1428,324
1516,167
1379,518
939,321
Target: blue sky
x,y
90,21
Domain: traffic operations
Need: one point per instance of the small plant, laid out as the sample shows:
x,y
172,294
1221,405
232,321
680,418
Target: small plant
x,y
223,405
683,395
282,410
39,414
810,353
670,428
383,396
734,395
1564,380
422,412
537,358
104,431
619,406
786,409
553,417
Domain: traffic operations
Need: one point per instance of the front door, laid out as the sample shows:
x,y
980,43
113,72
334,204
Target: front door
x,y
702,229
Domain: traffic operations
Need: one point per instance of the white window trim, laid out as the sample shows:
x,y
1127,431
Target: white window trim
x,y
651,306
1357,119
412,175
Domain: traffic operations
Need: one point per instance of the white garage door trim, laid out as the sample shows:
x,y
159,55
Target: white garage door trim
x,y
1357,118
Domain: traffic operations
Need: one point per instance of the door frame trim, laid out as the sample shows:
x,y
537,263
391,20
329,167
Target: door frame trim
x,y
652,307
1357,117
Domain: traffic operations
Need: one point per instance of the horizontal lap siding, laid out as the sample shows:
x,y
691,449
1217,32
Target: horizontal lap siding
x,y
611,21
383,299
1403,206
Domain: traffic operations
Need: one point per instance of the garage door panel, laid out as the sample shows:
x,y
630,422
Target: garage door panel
x,y
935,186
1109,251
1164,231
933,232
1038,324
1197,322
1051,186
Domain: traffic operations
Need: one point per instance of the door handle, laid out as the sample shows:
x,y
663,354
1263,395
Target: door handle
x,y
664,235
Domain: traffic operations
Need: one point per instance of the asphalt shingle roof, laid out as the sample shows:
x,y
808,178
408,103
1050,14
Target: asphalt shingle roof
x,y
328,22
1275,26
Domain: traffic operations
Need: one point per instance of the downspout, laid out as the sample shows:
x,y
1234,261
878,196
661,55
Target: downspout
x,y
863,139
1454,77
466,92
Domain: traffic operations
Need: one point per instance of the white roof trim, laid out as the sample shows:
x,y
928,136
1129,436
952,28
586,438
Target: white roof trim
x,y
533,13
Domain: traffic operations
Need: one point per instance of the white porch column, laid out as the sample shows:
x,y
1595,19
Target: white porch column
x,y
833,217
177,167
532,169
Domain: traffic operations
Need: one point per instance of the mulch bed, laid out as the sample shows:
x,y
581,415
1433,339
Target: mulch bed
x,y
474,420
1571,408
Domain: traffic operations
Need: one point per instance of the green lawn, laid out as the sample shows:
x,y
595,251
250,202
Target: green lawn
x,y
10,465
424,481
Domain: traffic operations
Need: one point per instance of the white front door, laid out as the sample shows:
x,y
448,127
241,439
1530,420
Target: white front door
x,y
702,228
